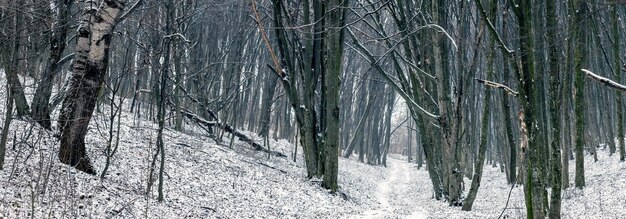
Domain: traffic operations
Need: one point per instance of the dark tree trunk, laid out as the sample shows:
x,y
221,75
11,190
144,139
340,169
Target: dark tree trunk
x,y
617,74
534,189
555,106
580,8
17,90
482,148
41,110
332,81
266,105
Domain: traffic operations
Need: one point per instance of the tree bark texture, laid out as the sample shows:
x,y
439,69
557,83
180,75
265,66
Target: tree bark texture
x,y
89,67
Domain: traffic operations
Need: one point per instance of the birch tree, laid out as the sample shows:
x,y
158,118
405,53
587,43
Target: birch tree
x,y
89,66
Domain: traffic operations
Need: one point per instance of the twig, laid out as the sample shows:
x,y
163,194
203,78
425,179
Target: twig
x,y
513,186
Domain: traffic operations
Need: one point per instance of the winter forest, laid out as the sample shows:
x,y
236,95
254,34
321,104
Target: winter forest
x,y
312,109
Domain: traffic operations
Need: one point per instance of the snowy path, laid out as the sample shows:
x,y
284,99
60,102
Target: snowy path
x,y
396,193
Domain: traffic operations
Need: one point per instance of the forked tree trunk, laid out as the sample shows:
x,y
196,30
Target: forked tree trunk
x,y
89,67
482,148
484,125
358,132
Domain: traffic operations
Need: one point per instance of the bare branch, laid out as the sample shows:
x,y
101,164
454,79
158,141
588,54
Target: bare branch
x,y
178,35
361,50
492,28
273,55
497,85
131,9
605,81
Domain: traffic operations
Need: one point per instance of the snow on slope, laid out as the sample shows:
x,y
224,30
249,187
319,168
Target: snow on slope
x,y
409,193
202,180
208,180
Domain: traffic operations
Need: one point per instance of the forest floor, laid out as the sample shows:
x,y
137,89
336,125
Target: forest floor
x,y
395,194
208,179
406,192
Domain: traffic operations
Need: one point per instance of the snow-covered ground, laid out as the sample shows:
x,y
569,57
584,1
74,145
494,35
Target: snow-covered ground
x,y
204,179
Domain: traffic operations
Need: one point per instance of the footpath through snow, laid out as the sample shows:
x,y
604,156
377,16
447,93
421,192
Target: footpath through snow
x,y
403,191
395,194
205,179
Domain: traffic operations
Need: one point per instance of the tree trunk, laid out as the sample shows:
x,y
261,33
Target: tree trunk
x,y
17,90
89,67
358,131
579,58
448,115
555,106
266,105
7,123
391,99
334,47
482,148
534,189
617,74
41,111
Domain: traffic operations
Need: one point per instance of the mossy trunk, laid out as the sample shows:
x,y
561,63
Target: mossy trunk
x,y
555,112
334,46
534,188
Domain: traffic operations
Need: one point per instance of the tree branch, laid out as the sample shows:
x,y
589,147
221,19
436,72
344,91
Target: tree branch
x,y
608,82
131,9
273,55
361,50
492,28
497,85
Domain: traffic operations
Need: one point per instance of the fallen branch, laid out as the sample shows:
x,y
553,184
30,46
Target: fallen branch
x,y
208,208
605,81
230,129
265,165
497,85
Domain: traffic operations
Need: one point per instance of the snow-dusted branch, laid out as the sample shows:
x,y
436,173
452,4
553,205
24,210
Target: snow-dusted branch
x,y
497,85
605,81
131,9
492,28
179,35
